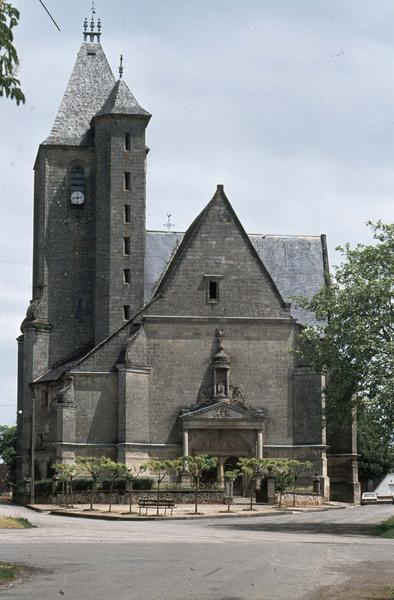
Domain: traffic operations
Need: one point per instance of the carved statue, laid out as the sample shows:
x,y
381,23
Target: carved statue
x,y
219,336
220,390
237,396
65,395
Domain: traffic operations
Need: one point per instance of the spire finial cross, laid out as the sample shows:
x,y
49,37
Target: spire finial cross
x,y
121,67
168,224
92,34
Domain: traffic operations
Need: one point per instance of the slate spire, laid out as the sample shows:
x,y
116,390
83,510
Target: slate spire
x,y
90,83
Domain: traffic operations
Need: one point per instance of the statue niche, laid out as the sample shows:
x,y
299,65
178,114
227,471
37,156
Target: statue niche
x,y
220,370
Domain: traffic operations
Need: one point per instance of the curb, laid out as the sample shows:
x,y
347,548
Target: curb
x,y
156,518
225,515
36,509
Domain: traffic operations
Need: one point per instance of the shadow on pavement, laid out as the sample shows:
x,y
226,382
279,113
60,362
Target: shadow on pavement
x,y
302,527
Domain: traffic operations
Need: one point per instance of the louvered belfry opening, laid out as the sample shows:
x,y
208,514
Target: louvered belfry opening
x,y
77,179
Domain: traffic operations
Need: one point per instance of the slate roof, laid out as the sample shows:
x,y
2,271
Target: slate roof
x,y
121,102
295,263
90,84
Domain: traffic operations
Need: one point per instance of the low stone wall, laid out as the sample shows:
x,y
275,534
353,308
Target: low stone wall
x,y
101,497
301,499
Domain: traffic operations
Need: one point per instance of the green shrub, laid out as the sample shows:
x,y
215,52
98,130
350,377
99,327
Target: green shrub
x,y
119,485
43,487
82,484
143,483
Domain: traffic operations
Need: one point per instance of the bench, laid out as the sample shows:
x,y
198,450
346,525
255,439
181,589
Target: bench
x,y
153,503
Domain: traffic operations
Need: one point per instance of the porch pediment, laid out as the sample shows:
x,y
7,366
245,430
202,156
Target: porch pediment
x,y
222,415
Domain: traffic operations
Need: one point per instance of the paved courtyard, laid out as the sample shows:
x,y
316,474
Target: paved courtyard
x,y
311,556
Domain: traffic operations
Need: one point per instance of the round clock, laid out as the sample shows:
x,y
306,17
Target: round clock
x,y
77,198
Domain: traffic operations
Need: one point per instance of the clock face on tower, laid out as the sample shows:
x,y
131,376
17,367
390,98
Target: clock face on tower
x,y
77,198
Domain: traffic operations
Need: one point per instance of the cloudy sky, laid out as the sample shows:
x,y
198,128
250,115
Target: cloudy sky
x,y
288,103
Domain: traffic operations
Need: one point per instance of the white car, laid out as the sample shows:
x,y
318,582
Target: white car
x,y
369,498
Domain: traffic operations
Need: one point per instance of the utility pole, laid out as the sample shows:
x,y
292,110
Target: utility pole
x,y
33,436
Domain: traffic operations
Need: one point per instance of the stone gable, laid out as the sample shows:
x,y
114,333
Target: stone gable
x,y
217,248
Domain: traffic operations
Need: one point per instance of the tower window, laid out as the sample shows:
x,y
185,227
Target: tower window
x,y
127,141
77,185
126,275
126,213
126,246
127,181
126,312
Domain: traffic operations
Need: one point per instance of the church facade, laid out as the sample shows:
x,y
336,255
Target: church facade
x,y
145,344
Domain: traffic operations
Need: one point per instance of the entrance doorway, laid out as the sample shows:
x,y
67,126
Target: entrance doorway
x,y
231,465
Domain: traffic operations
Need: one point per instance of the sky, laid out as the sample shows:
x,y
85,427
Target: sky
x,y
288,103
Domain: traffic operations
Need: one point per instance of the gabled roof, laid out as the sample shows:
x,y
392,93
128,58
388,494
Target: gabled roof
x,y
121,102
218,197
296,263
88,88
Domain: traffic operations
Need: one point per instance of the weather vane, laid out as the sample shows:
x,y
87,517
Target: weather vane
x,y
121,67
168,224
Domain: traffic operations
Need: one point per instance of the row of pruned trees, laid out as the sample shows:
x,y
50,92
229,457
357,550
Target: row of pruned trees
x,y
285,471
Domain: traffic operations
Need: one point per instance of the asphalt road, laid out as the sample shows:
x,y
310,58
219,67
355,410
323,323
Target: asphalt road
x,y
310,556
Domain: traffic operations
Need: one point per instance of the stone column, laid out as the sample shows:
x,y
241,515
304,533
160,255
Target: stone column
x,y
259,437
185,442
221,471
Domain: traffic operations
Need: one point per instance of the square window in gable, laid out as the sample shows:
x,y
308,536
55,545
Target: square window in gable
x,y
212,286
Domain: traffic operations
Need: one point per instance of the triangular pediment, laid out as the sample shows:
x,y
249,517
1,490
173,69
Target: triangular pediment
x,y
222,411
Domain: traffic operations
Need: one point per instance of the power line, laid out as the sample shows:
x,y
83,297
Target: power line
x,y
43,5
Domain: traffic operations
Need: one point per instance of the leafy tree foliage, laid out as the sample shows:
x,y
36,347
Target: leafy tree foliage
x,y
162,469
231,476
65,474
9,84
376,452
8,449
94,466
353,340
116,470
196,466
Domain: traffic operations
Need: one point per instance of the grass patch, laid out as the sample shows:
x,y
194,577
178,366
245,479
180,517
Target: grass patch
x,y
8,572
14,523
386,530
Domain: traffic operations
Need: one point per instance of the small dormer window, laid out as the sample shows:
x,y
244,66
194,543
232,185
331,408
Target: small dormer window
x,y
77,186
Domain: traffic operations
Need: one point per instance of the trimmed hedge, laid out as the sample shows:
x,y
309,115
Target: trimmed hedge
x,y
45,487
143,483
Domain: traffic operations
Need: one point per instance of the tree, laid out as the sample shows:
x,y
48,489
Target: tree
x,y
296,468
231,476
353,339
131,474
8,449
196,466
66,475
9,62
116,470
253,468
94,466
375,448
162,468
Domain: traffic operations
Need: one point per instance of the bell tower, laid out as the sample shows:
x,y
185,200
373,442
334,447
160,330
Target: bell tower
x,y
89,224
119,138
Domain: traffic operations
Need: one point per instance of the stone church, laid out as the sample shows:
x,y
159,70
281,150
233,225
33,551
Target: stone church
x,y
139,343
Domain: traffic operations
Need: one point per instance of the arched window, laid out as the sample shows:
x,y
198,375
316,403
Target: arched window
x,y
77,186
